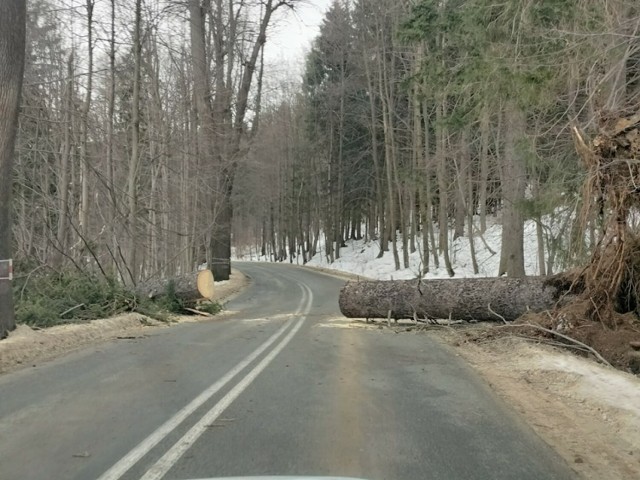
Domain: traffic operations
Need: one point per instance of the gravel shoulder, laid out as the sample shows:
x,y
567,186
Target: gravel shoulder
x,y
26,346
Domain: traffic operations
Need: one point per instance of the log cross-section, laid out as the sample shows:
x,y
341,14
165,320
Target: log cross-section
x,y
460,299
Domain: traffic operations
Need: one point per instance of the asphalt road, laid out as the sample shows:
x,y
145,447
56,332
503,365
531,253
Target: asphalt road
x,y
281,386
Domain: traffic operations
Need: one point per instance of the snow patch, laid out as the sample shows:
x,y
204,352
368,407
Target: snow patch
x,y
609,387
360,257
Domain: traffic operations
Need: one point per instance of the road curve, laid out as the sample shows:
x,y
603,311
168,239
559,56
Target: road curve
x,y
280,385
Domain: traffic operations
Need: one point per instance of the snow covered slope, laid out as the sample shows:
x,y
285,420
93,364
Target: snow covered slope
x,y
359,257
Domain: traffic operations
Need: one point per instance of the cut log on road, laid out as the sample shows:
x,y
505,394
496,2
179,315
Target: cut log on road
x,y
459,299
188,288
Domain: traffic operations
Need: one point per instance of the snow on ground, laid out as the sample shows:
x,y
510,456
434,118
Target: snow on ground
x,y
607,386
359,257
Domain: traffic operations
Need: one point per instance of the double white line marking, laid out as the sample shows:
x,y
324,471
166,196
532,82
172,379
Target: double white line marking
x,y
169,459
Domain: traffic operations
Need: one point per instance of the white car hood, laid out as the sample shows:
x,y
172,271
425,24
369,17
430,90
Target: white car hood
x,y
295,477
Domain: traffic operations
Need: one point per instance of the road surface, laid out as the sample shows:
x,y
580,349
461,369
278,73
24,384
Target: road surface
x,y
281,386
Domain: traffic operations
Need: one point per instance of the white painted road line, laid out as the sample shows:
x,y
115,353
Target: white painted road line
x,y
131,458
169,459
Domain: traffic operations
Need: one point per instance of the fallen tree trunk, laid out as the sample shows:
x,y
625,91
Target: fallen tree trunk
x,y
481,299
188,288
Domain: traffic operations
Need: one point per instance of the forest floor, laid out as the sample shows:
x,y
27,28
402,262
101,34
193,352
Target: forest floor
x,y
26,346
588,413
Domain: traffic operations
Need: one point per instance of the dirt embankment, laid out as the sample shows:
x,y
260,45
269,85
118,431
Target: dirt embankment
x,y
27,347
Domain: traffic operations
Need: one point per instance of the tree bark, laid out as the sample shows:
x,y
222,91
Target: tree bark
x,y
484,167
389,159
428,234
63,175
513,192
459,299
375,156
132,180
84,129
468,196
443,192
221,238
12,53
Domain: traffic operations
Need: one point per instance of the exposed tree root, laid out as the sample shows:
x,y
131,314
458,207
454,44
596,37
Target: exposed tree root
x,y
603,314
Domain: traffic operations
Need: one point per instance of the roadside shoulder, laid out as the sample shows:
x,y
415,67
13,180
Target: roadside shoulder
x,y
589,413
26,346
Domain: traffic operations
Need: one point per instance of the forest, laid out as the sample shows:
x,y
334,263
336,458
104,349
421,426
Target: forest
x,y
154,136
418,122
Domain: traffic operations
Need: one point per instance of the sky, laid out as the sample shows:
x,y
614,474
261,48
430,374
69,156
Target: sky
x,y
291,36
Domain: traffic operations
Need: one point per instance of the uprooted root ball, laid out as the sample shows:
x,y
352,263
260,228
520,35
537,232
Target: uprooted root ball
x,y
611,280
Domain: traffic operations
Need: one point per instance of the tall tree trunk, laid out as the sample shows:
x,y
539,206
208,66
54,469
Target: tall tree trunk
x,y
84,160
204,126
484,167
460,206
255,123
513,191
111,102
132,181
12,54
542,270
221,237
443,191
339,212
399,213
63,174
418,161
375,155
389,159
467,171
428,234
